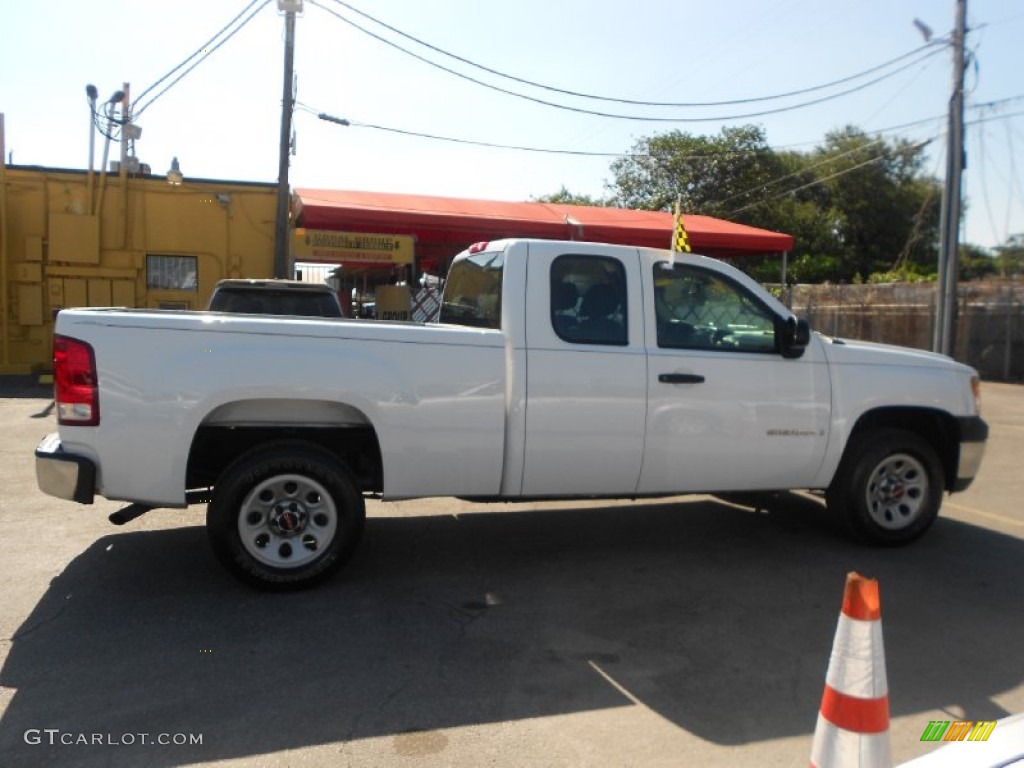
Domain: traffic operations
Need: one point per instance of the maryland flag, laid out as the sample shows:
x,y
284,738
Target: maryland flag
x,y
680,242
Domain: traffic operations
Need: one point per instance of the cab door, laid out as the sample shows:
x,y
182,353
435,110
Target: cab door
x,y
726,410
586,378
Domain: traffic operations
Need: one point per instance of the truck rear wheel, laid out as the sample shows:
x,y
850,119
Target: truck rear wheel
x,y
285,516
889,487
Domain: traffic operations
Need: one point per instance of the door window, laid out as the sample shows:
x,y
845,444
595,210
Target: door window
x,y
698,309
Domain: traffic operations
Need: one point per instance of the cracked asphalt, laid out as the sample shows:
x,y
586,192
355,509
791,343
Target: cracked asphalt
x,y
682,631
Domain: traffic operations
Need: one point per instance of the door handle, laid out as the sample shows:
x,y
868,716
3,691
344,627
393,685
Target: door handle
x,y
680,378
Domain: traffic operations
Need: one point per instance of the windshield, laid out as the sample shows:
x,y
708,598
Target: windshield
x,y
472,293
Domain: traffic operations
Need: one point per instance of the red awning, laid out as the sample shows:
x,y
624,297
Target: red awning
x,y
443,223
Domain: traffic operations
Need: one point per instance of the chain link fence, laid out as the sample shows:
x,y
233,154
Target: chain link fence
x,y
989,330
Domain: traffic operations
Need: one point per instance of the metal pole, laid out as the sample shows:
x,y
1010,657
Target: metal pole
x,y
785,294
103,172
5,300
126,119
287,99
91,95
950,217
126,130
1008,347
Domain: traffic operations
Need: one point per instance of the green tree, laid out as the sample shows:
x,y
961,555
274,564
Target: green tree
x,y
1010,256
975,263
707,174
565,197
883,209
856,205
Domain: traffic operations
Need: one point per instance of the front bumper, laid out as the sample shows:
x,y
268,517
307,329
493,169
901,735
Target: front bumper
x,y
973,434
64,475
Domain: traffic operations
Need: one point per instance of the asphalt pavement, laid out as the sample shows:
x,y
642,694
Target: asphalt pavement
x,y
683,631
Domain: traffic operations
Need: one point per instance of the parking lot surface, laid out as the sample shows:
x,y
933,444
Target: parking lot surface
x,y
683,631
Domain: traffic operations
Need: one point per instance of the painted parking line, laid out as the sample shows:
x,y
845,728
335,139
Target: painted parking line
x,y
983,513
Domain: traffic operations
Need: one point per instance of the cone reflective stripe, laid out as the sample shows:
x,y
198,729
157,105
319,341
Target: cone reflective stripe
x,y
853,723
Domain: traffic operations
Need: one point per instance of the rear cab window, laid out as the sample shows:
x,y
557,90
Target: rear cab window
x,y
588,300
275,302
472,292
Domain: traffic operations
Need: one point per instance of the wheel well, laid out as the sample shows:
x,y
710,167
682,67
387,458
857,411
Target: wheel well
x,y
217,445
938,428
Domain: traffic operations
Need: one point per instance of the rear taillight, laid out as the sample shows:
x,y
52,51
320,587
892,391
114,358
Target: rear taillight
x,y
74,383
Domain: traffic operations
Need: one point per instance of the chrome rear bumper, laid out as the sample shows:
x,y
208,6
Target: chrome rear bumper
x,y
64,475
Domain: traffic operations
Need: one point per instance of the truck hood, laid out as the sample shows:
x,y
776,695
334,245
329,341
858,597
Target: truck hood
x,y
852,352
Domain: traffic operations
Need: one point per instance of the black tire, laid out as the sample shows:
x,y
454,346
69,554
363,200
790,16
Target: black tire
x,y
285,516
888,488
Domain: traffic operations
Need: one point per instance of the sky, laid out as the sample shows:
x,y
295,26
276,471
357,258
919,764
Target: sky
x,y
222,120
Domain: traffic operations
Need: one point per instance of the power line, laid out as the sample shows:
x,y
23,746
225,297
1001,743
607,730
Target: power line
x,y
860,165
205,48
196,53
616,116
980,138
801,171
546,150
620,100
452,140
814,183
1013,176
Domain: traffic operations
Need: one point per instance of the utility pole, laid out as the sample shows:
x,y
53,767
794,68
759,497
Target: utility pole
x,y
126,120
281,261
949,222
5,298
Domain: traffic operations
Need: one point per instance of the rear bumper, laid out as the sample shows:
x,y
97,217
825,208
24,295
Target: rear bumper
x,y
64,475
973,434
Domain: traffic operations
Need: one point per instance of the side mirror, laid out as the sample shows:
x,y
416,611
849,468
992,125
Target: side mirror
x,y
793,335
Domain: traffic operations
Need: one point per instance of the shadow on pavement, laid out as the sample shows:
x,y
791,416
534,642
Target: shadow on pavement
x,y
24,387
717,618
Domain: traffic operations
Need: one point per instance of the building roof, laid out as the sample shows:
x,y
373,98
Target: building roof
x,y
441,223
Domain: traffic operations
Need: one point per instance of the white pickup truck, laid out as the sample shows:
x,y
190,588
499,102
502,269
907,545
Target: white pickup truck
x,y
556,370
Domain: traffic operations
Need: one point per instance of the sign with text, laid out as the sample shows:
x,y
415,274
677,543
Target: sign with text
x,y
393,302
351,247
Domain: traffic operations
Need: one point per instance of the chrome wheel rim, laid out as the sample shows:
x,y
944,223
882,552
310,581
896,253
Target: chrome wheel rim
x,y
287,521
897,491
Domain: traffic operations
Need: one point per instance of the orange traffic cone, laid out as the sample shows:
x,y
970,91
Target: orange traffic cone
x,y
853,724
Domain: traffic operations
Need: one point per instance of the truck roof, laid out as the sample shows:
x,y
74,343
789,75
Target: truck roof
x,y
275,297
291,285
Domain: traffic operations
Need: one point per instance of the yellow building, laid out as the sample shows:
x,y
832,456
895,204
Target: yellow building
x,y
77,239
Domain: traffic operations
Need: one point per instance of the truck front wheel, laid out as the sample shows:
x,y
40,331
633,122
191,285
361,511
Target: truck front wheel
x,y
888,487
285,516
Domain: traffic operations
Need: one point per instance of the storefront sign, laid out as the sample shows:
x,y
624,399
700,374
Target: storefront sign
x,y
351,247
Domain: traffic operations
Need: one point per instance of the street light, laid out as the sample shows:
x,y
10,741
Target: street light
x,y
174,177
91,94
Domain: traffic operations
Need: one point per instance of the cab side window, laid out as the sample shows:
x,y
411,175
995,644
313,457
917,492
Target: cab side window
x,y
588,300
698,309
